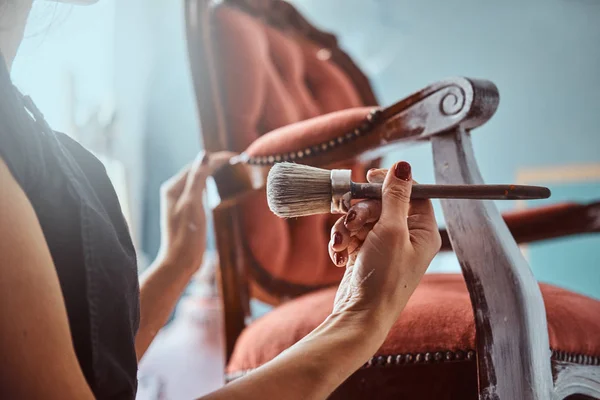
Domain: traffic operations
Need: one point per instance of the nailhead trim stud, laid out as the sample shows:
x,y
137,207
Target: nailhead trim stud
x,y
447,356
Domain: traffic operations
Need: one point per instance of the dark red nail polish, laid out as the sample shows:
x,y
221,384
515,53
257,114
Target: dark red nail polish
x,y
339,258
337,238
351,216
402,171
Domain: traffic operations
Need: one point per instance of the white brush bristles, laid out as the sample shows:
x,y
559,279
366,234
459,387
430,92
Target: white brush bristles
x,y
296,190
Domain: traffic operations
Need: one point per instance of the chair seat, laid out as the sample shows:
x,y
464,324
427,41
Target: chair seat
x,y
433,340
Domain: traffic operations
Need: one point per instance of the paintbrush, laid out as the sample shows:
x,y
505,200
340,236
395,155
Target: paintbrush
x,y
295,190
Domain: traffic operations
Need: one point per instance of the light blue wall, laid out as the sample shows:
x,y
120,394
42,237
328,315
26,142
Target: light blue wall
x,y
171,125
156,94
543,55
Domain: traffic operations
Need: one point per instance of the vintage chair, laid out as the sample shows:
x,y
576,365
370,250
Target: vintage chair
x,y
273,87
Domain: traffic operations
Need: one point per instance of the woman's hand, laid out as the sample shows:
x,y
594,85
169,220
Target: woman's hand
x,y
183,226
386,247
183,219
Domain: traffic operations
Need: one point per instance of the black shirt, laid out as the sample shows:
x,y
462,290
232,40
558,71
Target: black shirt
x,y
88,239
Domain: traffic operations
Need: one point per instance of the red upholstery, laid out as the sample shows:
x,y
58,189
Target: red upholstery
x,y
271,81
438,318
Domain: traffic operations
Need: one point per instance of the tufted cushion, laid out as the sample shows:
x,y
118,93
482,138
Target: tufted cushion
x,y
269,80
437,323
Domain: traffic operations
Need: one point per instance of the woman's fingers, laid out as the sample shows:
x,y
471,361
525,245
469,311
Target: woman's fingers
x,y
421,223
423,228
354,245
362,233
395,200
346,250
218,159
199,171
361,213
203,166
344,243
340,236
414,220
339,258
375,175
173,187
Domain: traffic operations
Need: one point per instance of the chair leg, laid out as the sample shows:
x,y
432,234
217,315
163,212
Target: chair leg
x,y
234,292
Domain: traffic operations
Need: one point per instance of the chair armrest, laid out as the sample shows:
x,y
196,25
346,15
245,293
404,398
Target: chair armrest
x,y
367,132
547,222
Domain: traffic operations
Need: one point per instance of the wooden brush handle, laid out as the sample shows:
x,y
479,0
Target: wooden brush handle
x,y
479,192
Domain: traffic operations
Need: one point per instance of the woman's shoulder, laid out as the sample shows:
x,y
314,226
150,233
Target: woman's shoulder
x,y
35,154
20,150
21,137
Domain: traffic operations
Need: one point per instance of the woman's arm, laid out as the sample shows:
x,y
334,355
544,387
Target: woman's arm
x,y
38,358
161,286
315,366
183,229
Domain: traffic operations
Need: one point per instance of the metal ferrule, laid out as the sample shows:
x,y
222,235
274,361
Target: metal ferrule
x,y
341,185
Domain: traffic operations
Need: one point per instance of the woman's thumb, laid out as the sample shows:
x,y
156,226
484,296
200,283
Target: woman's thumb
x,y
396,194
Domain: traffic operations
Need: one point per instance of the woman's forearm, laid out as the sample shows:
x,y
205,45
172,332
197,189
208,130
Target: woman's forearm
x,y
313,367
161,287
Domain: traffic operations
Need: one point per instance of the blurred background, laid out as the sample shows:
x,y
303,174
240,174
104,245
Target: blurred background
x,y
115,76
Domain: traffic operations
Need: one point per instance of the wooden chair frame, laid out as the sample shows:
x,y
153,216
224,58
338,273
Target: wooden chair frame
x,y
513,352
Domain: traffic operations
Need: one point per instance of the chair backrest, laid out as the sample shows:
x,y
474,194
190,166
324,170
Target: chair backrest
x,y
258,65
